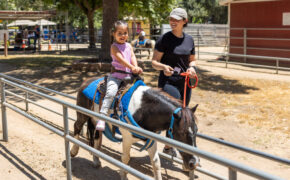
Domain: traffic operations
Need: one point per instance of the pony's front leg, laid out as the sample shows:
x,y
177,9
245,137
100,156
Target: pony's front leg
x,y
75,149
155,161
127,143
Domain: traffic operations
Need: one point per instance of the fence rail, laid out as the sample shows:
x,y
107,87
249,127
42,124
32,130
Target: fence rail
x,y
233,166
267,58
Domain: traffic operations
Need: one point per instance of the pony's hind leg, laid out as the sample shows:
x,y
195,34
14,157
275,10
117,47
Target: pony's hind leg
x,y
97,140
97,145
155,161
78,125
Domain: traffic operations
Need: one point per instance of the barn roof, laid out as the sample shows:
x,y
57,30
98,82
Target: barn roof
x,y
226,2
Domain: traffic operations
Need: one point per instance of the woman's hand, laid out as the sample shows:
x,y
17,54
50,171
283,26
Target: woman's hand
x,y
168,71
136,70
191,72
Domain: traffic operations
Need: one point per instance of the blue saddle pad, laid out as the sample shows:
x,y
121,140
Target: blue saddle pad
x,y
89,91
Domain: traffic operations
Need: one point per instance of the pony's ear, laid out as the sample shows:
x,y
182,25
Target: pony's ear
x,y
194,108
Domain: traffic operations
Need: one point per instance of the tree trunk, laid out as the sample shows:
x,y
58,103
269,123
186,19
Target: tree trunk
x,y
90,16
110,15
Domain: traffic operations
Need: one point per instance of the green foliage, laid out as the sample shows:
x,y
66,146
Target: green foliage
x,y
26,5
155,10
204,11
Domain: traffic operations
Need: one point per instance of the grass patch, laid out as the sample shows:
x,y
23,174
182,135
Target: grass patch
x,y
266,107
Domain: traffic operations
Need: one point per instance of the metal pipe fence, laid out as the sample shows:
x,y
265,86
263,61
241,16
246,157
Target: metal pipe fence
x,y
267,58
203,136
189,149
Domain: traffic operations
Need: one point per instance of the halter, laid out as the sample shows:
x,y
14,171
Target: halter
x,y
172,122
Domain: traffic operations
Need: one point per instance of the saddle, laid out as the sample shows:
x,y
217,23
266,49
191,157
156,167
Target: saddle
x,y
125,85
96,91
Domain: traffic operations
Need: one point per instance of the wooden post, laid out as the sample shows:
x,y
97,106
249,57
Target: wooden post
x,y
245,45
5,45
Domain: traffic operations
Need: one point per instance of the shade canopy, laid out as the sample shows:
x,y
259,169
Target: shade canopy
x,y
22,23
42,22
45,22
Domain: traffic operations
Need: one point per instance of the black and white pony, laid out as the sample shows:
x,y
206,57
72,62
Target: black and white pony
x,y
154,111
146,43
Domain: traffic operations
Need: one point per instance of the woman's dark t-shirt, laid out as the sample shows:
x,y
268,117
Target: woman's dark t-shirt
x,y
176,55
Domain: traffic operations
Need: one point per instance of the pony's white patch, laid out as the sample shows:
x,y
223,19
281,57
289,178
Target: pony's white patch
x,y
135,102
190,130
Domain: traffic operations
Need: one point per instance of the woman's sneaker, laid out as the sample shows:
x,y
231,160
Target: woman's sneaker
x,y
170,151
100,125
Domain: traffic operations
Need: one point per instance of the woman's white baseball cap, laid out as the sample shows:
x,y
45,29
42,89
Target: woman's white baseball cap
x,y
178,14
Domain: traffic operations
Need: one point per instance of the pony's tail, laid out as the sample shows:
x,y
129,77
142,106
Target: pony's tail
x,y
90,132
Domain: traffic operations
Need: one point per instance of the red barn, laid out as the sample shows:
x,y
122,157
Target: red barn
x,y
259,27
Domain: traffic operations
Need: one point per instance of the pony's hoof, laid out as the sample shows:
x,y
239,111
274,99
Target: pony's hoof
x,y
123,175
96,162
73,152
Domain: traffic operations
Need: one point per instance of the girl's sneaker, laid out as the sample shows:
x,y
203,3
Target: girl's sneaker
x,y
100,125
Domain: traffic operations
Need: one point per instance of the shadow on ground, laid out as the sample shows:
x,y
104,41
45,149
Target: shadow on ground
x,y
19,164
83,169
56,73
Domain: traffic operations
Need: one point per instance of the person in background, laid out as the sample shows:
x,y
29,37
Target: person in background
x,y
37,36
174,53
31,35
141,37
124,60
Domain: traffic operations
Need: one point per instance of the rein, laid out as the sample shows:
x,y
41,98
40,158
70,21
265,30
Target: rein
x,y
186,82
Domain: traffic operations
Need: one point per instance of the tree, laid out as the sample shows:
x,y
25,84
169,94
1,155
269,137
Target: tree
x,y
110,15
203,11
155,10
88,7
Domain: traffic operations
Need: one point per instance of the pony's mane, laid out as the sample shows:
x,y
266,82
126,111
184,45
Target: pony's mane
x,y
158,93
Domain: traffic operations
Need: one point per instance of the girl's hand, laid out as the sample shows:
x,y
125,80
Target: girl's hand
x,y
168,71
191,72
137,70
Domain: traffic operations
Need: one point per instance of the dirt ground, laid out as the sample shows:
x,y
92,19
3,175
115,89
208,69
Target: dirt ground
x,y
33,152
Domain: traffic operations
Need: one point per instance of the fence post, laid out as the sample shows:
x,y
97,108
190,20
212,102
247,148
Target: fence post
x,y
277,66
198,43
232,174
3,110
227,60
5,45
67,148
26,101
245,45
67,31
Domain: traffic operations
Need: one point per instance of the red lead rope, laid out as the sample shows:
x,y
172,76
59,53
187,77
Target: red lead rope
x,y
186,82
